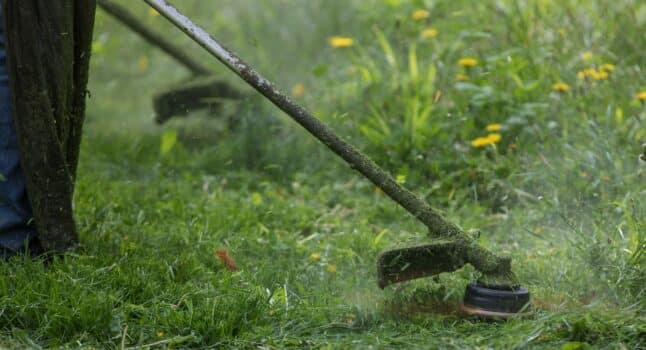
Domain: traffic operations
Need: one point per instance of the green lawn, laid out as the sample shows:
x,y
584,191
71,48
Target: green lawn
x,y
561,190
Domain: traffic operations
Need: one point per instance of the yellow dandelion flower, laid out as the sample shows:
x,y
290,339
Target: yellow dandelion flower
x,y
590,72
160,334
420,14
641,95
607,67
561,87
298,90
331,268
340,41
490,139
593,74
152,12
494,127
467,62
429,33
494,138
600,75
461,77
479,142
315,256
587,56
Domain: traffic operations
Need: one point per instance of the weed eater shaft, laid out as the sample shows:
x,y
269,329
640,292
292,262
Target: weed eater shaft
x,y
357,160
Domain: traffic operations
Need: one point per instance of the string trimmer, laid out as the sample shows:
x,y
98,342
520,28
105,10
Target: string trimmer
x,y
496,294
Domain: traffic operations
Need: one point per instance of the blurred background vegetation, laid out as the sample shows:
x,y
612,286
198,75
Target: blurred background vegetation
x,y
399,91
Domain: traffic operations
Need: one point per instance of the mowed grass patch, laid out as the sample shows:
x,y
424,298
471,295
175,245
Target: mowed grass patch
x,y
147,273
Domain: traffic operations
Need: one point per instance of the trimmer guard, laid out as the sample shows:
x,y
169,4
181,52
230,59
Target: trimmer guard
x,y
408,263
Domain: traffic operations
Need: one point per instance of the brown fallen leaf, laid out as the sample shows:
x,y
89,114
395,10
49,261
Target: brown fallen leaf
x,y
223,255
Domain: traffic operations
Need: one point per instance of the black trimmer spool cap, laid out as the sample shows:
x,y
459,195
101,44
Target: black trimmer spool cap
x,y
495,301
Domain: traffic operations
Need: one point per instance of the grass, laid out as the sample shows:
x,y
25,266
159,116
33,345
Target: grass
x,y
561,192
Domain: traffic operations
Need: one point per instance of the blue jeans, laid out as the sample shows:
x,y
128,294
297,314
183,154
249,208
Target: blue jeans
x,y
16,228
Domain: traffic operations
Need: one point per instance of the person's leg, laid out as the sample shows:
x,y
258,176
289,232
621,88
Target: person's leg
x,y
16,229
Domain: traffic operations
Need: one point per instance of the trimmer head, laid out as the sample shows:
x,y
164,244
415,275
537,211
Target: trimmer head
x,y
404,264
485,301
495,301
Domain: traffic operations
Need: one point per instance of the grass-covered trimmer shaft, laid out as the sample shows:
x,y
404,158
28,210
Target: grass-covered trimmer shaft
x,y
453,247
